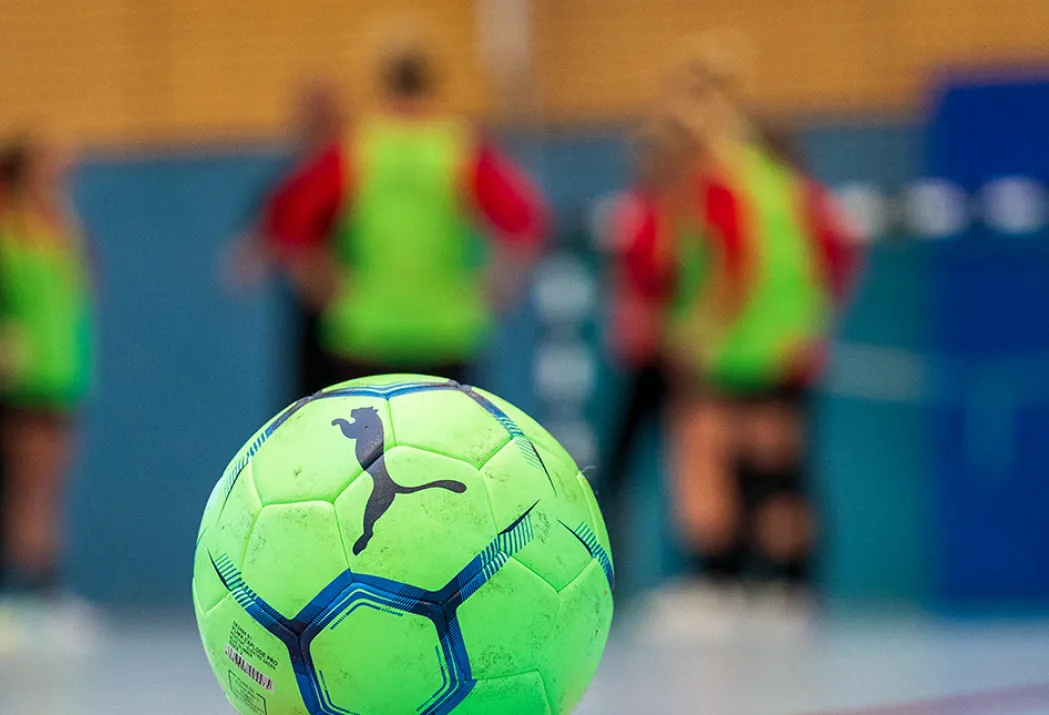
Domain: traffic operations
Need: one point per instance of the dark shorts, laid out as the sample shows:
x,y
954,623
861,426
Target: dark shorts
x,y
342,370
792,395
41,412
319,369
758,486
692,389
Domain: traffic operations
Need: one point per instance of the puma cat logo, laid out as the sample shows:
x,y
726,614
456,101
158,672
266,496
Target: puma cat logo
x,y
367,430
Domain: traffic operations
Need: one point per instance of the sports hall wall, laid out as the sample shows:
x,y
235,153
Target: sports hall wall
x,y
181,107
191,365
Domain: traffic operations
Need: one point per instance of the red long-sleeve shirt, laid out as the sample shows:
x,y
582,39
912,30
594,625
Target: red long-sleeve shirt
x,y
836,238
303,211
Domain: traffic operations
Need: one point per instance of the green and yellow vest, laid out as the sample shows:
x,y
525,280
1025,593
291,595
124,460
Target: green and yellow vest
x,y
45,305
783,305
412,262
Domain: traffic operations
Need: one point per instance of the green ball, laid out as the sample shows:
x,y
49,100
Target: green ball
x,y
403,544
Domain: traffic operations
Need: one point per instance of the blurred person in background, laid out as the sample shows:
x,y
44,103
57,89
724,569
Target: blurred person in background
x,y
761,260
382,232
46,336
641,226
318,120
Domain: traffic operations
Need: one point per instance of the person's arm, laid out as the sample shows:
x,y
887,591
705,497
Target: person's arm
x,y
302,211
837,248
299,219
646,264
507,201
837,242
514,211
643,280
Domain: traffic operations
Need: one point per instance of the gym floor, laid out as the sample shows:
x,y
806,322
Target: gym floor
x,y
661,660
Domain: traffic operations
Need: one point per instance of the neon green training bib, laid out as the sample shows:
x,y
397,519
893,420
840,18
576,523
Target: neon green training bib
x,y
45,300
413,292
785,307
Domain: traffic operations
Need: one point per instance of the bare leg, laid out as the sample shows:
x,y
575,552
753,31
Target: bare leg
x,y
784,530
773,444
705,495
37,449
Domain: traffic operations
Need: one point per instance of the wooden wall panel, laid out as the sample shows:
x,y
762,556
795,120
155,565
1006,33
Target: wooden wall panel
x,y
597,57
70,63
233,80
129,70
